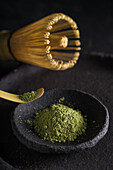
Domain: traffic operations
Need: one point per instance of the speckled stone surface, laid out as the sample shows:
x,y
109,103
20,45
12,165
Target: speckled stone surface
x,y
92,74
97,121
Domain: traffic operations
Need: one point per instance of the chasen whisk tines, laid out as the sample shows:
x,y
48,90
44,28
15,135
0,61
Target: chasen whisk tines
x,y
52,42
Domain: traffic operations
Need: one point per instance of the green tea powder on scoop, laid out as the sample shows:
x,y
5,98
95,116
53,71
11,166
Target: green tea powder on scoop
x,y
59,123
29,96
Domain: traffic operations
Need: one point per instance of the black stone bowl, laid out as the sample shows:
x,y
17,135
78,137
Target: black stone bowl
x,y
97,119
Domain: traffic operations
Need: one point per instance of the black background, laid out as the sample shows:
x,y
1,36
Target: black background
x,y
94,18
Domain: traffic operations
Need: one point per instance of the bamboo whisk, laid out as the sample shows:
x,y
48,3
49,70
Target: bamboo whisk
x,y
52,42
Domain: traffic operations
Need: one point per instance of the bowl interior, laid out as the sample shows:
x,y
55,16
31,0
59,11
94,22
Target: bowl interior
x,y
97,120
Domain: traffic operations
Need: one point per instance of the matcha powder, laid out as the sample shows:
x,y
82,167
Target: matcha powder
x,y
59,123
29,96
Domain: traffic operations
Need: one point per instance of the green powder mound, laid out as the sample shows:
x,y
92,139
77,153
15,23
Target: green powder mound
x,y
59,123
29,96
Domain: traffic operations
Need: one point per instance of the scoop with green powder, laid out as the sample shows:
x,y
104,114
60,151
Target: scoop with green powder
x,y
59,123
29,96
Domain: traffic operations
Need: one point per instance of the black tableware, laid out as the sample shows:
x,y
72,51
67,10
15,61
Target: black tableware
x,y
97,119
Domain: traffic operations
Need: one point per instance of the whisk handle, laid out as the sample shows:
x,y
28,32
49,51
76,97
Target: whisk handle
x,y
4,49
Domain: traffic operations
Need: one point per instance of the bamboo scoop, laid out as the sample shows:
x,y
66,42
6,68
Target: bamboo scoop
x,y
52,42
15,97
